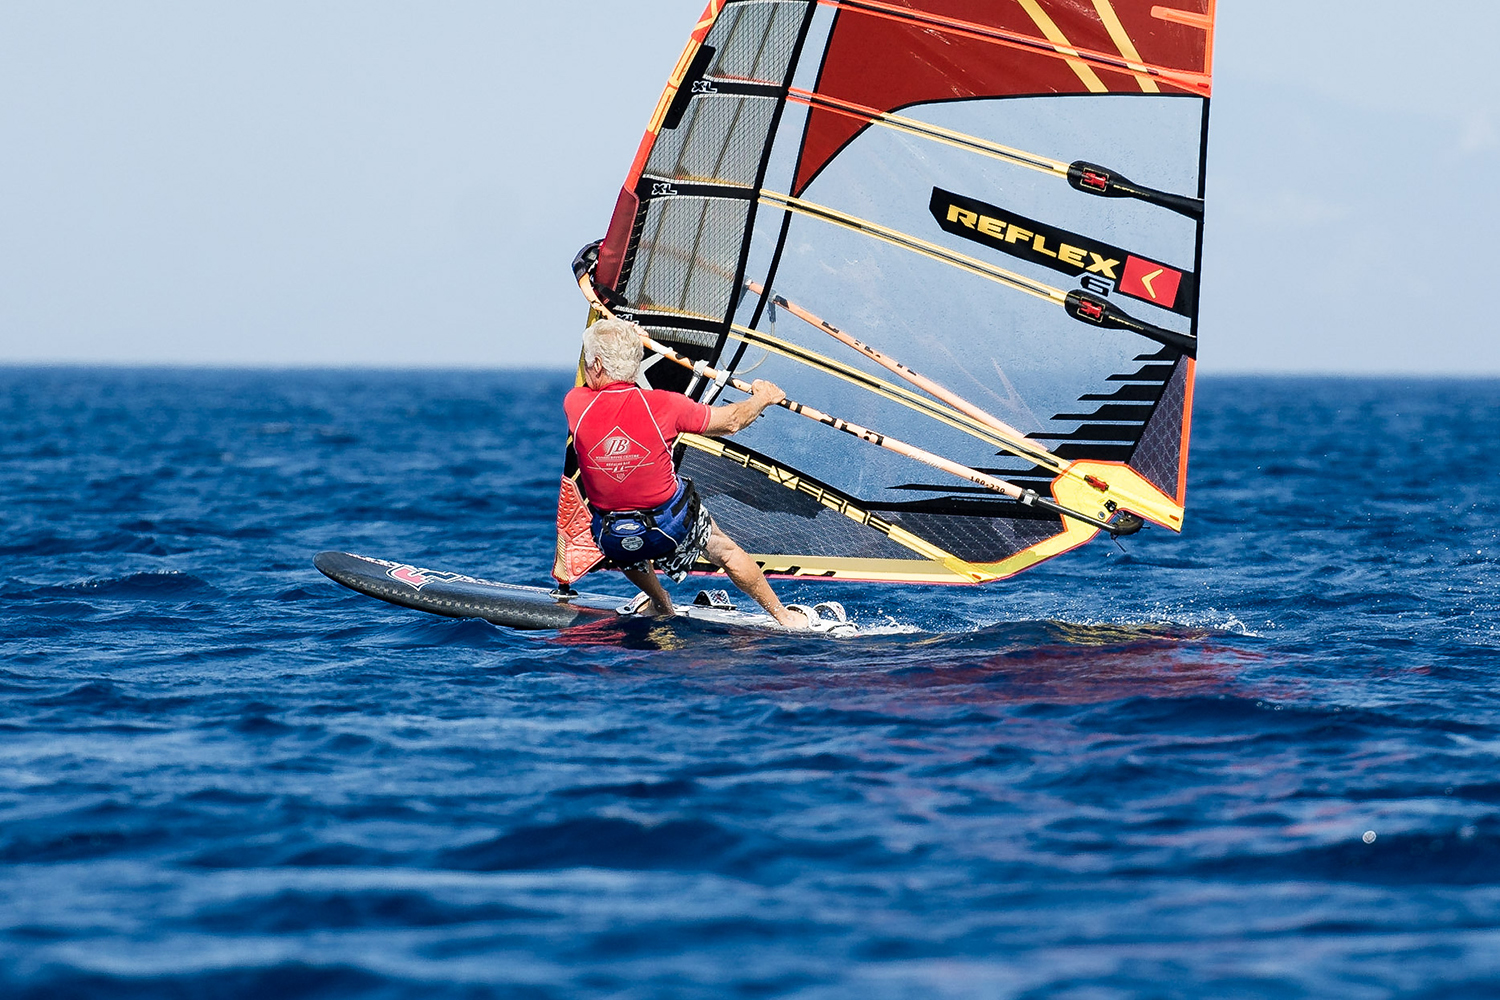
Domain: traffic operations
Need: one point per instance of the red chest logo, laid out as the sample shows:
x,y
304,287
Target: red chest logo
x,y
618,455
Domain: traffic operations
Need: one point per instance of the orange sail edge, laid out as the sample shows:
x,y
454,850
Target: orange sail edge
x,y
577,555
1204,23
674,84
1187,431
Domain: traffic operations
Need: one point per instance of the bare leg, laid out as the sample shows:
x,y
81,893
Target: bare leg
x,y
653,588
747,576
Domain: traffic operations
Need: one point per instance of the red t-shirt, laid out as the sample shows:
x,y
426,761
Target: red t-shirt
x,y
624,437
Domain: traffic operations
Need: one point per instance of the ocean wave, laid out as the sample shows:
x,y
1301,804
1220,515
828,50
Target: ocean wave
x,y
51,544
167,585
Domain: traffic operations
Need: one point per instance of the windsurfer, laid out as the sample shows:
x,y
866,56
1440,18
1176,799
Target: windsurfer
x,y
646,519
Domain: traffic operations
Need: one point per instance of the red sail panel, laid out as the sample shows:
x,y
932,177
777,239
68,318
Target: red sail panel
x,y
877,57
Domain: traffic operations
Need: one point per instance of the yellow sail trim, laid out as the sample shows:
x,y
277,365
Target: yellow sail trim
x,y
1123,42
1054,35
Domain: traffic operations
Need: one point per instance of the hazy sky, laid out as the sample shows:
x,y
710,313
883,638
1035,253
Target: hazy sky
x,y
366,182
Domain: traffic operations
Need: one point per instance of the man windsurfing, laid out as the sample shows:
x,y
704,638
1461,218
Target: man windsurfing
x,y
645,517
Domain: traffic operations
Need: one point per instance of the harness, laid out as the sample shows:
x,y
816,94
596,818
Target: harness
x,y
631,536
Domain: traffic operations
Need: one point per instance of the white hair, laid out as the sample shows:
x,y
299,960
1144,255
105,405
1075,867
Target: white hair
x,y
617,345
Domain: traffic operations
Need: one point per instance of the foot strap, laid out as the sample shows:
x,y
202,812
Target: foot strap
x,y
634,605
827,618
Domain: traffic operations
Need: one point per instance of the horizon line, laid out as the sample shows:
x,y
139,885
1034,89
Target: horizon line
x,y
269,367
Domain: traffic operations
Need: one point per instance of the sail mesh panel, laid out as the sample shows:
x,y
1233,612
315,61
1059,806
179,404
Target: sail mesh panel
x,y
976,539
720,140
768,518
686,259
755,40
1158,455
676,335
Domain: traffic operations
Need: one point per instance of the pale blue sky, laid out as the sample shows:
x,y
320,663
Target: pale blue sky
x,y
366,182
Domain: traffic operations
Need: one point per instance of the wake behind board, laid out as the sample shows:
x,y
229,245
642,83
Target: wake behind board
x,y
515,606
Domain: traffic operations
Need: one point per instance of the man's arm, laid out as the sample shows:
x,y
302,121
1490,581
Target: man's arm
x,y
734,417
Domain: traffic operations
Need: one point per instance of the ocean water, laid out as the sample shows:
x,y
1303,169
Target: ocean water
x,y
1261,759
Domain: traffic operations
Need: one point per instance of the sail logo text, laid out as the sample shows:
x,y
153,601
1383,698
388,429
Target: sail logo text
x,y
1012,233
1101,268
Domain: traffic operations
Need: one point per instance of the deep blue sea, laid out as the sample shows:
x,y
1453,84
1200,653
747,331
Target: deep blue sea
x,y
1261,759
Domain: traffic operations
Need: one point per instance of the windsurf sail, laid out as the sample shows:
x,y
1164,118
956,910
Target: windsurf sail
x,y
971,226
